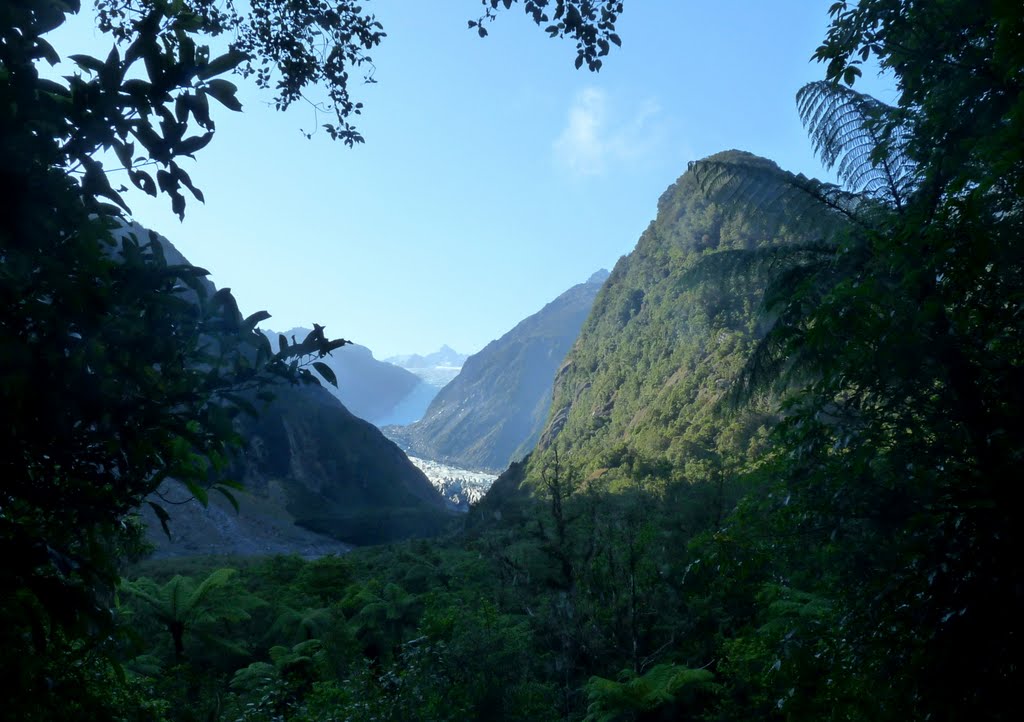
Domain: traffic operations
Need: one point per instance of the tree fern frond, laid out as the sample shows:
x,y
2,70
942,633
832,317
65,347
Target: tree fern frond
x,y
796,277
215,580
177,593
779,359
253,677
660,687
765,261
765,367
861,137
298,625
751,186
145,589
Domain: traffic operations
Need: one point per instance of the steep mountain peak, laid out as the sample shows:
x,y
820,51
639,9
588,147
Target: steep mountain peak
x,y
598,276
645,379
445,356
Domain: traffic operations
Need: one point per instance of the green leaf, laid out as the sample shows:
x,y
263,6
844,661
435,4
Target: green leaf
x,y
229,496
325,371
200,107
143,181
87,62
137,88
224,93
201,495
251,321
314,337
163,516
49,15
181,175
48,86
181,108
96,183
228,61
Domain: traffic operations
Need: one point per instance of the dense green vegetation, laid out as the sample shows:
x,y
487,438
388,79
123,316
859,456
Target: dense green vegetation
x,y
406,632
777,481
118,369
651,365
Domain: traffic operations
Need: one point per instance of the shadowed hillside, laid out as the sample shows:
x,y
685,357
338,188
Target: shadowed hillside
x,y
309,462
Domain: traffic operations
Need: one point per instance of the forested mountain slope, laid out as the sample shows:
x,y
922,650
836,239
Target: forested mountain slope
x,y
644,384
666,557
493,411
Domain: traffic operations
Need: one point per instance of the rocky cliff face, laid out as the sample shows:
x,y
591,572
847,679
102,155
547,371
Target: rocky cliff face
x,y
494,410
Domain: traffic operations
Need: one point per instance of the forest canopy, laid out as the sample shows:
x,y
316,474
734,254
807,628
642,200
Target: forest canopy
x,y
119,369
835,540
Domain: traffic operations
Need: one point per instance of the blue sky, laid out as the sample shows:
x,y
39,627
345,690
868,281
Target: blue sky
x,y
494,175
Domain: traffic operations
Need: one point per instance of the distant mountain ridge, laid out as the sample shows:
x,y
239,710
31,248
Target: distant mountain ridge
x,y
445,356
436,370
371,389
494,410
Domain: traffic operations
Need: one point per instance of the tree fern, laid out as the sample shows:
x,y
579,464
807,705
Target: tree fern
x,y
861,137
864,138
755,187
784,270
181,605
664,685
297,625
300,660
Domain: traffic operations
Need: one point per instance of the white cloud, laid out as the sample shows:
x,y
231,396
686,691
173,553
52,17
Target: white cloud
x,y
594,139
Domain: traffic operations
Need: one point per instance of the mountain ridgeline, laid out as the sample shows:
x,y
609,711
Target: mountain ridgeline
x,y
642,394
433,367
434,370
493,411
